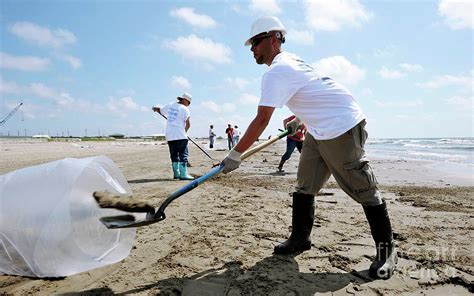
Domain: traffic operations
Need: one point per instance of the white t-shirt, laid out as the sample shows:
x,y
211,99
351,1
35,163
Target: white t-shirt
x,y
327,108
177,115
211,133
237,132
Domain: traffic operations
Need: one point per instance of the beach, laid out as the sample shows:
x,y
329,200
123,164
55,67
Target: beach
x,y
218,239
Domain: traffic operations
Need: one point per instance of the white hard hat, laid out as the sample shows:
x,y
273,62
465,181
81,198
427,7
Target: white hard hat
x,y
265,24
186,96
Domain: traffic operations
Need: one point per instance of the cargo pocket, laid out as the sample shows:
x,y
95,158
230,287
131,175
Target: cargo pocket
x,y
360,174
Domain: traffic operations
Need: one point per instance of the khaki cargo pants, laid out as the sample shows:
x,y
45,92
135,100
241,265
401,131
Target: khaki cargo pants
x,y
344,158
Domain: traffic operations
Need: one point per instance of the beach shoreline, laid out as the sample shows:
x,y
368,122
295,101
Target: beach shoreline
x,y
219,238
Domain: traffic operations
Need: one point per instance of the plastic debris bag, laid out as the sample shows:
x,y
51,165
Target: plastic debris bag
x,y
49,220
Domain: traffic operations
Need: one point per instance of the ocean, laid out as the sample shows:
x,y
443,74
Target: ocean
x,y
449,150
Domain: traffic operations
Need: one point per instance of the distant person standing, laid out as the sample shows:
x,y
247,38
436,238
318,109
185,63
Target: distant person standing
x,y
237,134
292,142
177,124
212,136
230,136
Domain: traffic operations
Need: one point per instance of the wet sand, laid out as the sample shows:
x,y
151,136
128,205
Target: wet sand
x,y
218,238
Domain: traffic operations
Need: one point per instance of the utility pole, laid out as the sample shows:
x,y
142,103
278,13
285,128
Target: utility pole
x,y
25,132
86,133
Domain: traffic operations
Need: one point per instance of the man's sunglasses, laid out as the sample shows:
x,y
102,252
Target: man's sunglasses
x,y
256,41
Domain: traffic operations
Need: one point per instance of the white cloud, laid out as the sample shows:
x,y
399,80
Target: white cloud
x,y
124,105
65,100
237,82
448,80
74,62
61,100
399,104
188,15
303,37
463,102
181,82
411,67
8,87
42,36
23,63
249,99
390,74
385,52
340,69
333,15
200,49
265,7
43,91
386,73
218,108
457,14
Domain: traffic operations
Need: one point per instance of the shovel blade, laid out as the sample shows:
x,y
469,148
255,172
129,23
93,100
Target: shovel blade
x,y
129,221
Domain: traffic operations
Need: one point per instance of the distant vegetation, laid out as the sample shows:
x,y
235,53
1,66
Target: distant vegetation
x,y
104,139
83,139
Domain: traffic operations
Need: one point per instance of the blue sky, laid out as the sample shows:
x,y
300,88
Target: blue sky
x,y
101,65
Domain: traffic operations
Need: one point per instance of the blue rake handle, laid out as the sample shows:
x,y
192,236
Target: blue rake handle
x,y
185,189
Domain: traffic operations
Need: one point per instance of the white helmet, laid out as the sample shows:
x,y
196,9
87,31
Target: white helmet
x,y
265,24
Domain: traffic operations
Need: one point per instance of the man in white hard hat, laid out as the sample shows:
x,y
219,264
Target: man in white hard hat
x,y
334,142
177,124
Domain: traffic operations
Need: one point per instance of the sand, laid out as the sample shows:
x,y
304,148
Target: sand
x,y
218,238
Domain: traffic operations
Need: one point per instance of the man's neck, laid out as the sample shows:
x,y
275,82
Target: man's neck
x,y
271,61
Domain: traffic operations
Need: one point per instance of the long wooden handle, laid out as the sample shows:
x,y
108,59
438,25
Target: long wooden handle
x,y
259,147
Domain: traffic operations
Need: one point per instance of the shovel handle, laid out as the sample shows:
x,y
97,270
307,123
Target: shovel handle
x,y
259,147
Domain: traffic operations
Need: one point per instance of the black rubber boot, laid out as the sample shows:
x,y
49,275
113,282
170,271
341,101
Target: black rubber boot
x,y
386,258
280,166
302,224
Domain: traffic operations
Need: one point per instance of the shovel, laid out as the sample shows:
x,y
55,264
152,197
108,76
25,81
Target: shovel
x,y
152,216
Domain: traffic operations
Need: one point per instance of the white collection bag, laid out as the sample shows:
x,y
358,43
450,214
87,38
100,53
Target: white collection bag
x,y
49,220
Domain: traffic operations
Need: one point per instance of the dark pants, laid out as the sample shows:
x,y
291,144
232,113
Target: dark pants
x,y
290,147
230,142
178,150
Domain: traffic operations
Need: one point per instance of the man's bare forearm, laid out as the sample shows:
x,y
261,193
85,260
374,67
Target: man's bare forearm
x,y
255,129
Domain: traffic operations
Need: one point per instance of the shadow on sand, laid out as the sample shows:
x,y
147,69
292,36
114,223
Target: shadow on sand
x,y
275,275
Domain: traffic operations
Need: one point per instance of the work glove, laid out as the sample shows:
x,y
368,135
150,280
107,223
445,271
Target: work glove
x,y
231,161
292,126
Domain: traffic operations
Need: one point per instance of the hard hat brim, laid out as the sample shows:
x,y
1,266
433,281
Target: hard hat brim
x,y
247,43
